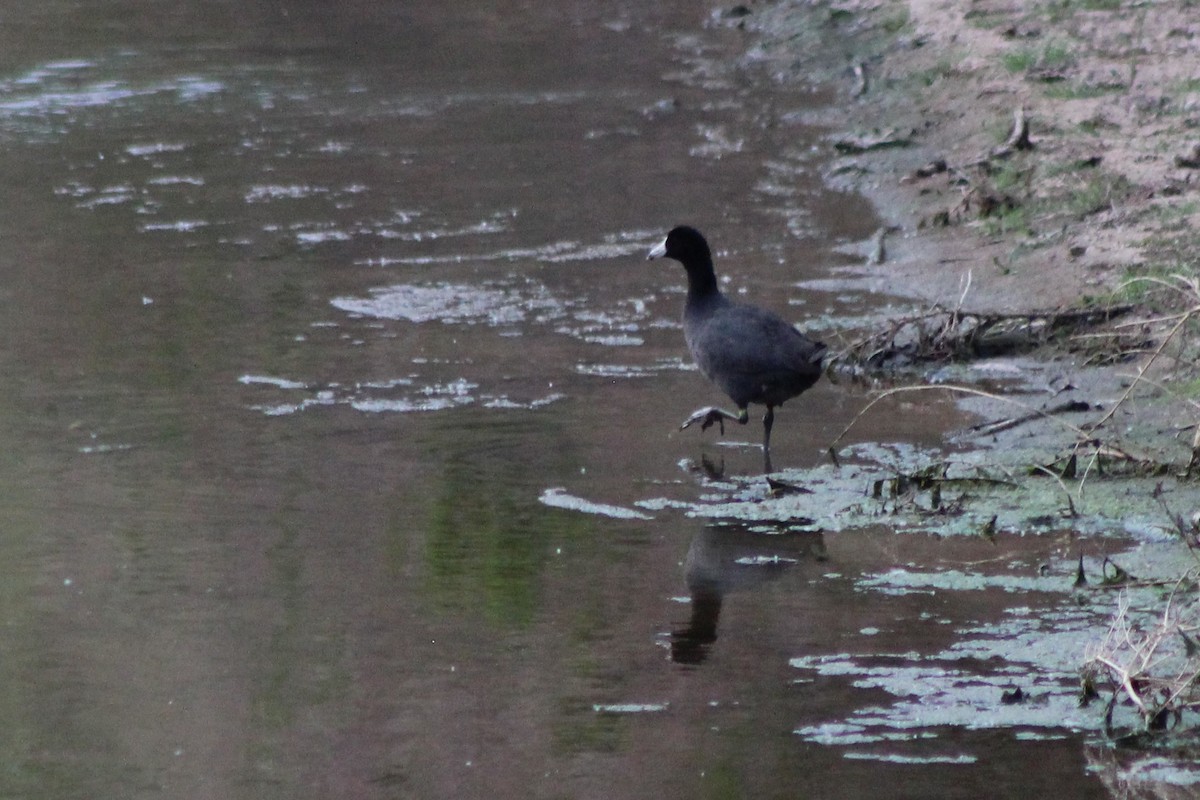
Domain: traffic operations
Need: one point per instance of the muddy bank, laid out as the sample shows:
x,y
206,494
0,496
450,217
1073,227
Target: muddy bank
x,y
1034,169
1035,162
1095,187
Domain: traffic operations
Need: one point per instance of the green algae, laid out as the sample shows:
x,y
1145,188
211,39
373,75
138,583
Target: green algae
x,y
918,490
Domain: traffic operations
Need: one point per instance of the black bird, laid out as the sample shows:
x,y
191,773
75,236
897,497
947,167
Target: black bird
x,y
753,355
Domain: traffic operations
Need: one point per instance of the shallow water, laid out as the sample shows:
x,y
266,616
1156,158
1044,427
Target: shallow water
x,y
337,386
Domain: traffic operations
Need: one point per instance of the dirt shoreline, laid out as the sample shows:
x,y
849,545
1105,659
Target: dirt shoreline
x,y
987,217
1025,159
1102,189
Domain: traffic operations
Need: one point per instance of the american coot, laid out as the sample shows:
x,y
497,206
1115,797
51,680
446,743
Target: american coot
x,y
750,353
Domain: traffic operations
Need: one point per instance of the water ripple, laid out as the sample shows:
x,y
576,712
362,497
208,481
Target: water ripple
x,y
397,395
455,303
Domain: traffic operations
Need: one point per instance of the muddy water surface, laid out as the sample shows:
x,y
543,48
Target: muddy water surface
x,y
339,432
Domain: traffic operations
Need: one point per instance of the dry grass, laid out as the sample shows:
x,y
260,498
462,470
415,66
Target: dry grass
x,y
1152,661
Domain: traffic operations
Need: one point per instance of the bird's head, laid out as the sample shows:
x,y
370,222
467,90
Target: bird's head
x,y
683,244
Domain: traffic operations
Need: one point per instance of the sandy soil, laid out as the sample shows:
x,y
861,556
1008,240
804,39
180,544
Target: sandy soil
x,y
1101,187
1106,189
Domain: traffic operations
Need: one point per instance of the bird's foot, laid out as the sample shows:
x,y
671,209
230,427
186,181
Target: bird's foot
x,y
710,415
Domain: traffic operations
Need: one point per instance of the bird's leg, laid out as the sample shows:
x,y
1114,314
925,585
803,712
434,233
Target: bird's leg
x,y
711,414
768,421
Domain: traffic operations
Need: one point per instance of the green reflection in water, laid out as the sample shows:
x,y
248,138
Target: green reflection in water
x,y
722,781
578,728
304,666
488,537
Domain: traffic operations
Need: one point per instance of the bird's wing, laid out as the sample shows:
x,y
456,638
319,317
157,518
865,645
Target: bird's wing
x,y
746,340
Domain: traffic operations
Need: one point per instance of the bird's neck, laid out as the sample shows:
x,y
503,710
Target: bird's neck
x,y
702,282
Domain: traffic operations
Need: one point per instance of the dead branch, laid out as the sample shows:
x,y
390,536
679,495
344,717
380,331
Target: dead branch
x,y
878,252
860,74
1153,661
941,334
956,389
1018,138
996,426
1191,284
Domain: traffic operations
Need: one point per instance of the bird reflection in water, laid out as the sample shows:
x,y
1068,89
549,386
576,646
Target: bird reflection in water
x,y
724,559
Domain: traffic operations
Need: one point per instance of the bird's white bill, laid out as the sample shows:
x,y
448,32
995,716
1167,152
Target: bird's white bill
x,y
658,252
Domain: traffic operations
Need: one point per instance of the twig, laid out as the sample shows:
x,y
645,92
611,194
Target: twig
x,y
1134,323
878,252
1152,668
860,72
965,281
1181,284
1070,500
961,390
1169,391
942,329
1137,584
1018,138
1068,407
1125,680
1143,367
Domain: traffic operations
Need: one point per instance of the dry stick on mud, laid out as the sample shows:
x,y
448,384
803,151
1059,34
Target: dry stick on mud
x,y
1190,287
998,426
1181,319
1018,139
952,332
1036,412
963,390
861,82
1071,512
1157,669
